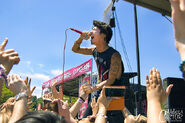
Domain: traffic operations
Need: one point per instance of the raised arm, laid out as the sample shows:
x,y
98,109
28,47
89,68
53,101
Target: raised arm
x,y
18,87
82,50
7,59
156,95
103,103
178,16
76,107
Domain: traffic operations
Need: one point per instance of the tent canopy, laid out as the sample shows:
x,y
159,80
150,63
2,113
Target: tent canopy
x,y
161,6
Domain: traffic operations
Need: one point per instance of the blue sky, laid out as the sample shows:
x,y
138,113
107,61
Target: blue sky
x,y
36,30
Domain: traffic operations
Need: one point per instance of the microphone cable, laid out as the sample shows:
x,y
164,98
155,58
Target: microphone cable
x,y
63,65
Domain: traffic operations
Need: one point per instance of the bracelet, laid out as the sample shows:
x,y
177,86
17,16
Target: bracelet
x,y
21,95
3,76
80,100
101,114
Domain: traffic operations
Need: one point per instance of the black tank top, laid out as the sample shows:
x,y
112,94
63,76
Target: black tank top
x,y
103,61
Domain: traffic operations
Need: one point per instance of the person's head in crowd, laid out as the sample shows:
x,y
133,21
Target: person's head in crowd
x,y
6,110
88,119
100,31
50,106
41,117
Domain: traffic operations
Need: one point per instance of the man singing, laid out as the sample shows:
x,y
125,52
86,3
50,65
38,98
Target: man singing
x,y
108,60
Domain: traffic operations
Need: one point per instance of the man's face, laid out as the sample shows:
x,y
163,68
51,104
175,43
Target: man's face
x,y
96,37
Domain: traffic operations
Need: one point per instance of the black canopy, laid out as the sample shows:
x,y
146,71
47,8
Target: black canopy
x,y
161,6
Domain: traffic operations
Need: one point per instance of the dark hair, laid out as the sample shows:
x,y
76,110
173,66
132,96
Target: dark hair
x,y
51,106
105,29
41,117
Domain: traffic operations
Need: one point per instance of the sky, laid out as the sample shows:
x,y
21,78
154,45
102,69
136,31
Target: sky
x,y
36,30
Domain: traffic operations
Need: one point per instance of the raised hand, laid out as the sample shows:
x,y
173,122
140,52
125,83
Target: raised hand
x,y
16,84
87,89
155,91
56,94
30,91
63,110
94,106
9,57
9,103
85,35
102,100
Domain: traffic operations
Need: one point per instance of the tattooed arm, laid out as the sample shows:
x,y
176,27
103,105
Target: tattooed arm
x,y
114,73
82,50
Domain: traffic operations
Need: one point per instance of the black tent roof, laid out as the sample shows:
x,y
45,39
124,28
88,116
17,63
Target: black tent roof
x,y
161,6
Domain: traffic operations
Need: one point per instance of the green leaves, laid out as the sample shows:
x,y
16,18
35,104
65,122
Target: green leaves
x,y
6,93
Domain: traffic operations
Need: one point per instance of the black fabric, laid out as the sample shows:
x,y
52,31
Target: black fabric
x,y
103,61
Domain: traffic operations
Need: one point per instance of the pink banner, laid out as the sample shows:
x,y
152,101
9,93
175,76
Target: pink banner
x,y
70,74
86,80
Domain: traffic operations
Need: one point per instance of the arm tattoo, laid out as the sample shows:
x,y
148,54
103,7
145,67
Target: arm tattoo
x,y
115,66
76,46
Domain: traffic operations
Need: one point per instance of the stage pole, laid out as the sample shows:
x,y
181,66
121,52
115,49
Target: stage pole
x,y
138,57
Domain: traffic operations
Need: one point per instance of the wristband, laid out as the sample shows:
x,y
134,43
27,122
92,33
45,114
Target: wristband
x,y
101,114
81,100
21,95
3,76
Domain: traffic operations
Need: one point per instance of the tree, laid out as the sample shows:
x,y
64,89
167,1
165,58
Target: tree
x,y
6,93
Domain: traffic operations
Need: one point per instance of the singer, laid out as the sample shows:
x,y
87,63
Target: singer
x,y
109,64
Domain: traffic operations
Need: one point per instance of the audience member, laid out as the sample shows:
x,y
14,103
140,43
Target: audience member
x,y
7,59
129,118
6,110
156,95
18,87
55,93
178,16
41,117
103,103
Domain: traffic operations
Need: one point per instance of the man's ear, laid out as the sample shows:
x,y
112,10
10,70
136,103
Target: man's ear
x,y
104,36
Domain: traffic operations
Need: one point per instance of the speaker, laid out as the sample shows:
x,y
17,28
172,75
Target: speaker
x,y
174,107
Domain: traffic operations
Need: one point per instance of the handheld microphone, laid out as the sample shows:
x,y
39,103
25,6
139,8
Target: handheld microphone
x,y
80,32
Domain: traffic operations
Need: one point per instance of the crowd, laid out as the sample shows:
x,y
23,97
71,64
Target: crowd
x,y
55,110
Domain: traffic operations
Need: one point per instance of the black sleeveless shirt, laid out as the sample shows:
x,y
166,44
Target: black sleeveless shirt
x,y
103,61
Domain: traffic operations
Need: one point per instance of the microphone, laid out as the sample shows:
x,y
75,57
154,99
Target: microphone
x,y
80,32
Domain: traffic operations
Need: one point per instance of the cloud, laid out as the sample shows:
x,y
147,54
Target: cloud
x,y
37,92
41,65
56,72
28,62
38,76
